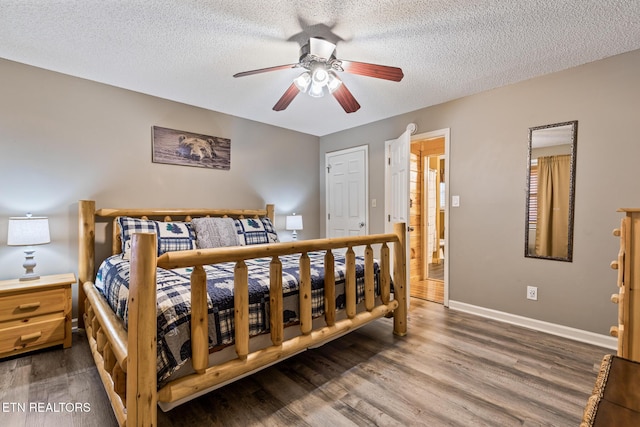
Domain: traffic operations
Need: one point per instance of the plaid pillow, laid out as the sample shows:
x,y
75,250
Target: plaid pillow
x,y
255,231
172,236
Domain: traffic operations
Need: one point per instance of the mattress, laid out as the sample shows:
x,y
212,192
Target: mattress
x,y
174,300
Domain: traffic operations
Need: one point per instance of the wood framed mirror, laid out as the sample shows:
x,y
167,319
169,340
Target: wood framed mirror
x,y
551,175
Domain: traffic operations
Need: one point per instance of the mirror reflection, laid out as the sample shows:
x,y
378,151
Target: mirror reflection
x,y
550,191
435,216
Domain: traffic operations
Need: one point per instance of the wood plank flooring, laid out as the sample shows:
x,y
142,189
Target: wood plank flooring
x,y
436,271
452,369
430,290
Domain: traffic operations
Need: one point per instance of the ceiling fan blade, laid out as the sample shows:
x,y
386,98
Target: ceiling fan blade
x,y
373,70
346,99
265,70
286,98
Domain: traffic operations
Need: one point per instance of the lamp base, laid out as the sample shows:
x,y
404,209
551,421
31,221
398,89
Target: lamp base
x,y
29,265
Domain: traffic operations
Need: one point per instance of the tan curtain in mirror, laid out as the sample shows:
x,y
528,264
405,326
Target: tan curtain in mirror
x,y
552,228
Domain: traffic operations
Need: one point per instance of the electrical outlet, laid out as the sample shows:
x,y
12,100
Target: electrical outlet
x,y
532,293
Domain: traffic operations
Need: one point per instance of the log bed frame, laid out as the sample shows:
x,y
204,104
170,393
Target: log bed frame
x,y
126,360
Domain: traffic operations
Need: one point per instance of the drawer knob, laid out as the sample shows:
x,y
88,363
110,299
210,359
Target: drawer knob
x,y
613,331
616,232
615,298
29,306
31,337
614,265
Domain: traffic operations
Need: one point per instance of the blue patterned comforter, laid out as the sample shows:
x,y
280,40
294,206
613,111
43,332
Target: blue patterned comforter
x,y
174,300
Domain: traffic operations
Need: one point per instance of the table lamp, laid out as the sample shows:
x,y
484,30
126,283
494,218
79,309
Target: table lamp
x,y
294,223
28,231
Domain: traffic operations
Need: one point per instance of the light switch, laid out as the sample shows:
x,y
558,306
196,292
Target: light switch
x,y
455,201
374,203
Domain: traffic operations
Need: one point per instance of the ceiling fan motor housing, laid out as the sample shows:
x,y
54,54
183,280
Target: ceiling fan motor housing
x,y
318,48
319,53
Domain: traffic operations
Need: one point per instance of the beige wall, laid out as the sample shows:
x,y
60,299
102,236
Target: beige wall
x,y
489,133
63,139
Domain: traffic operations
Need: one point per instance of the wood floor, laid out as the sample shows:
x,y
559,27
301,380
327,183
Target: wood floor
x,y
452,369
436,271
432,287
430,290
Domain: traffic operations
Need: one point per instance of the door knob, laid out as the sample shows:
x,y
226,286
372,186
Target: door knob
x,y
410,229
361,224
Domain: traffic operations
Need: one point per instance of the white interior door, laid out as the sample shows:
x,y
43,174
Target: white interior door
x,y
347,192
397,186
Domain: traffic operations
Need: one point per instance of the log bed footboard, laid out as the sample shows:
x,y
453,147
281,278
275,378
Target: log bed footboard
x,y
126,360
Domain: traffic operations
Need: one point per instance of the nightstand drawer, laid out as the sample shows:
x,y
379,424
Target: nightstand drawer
x,y
17,336
29,304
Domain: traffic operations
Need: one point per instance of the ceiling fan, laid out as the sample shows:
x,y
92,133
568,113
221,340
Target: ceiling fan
x,y
318,59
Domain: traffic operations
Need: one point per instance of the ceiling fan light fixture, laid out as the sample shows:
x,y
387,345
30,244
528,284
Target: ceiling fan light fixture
x,y
303,81
320,76
333,83
316,90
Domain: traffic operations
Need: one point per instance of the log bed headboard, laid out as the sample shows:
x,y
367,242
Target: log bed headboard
x,y
86,233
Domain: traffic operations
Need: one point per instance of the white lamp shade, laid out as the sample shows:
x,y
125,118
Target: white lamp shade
x,y
28,230
293,222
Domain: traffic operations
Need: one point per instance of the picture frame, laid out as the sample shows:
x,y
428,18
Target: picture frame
x,y
176,147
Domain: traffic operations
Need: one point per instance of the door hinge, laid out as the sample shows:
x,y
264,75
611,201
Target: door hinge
x,y
389,161
388,218
328,168
329,216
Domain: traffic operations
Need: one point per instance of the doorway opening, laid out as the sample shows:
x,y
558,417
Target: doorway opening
x,y
428,219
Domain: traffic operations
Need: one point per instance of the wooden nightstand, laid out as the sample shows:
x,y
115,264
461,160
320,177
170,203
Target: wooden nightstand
x,y
35,314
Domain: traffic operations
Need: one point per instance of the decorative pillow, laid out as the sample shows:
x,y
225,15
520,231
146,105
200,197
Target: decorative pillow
x,y
215,232
255,231
172,236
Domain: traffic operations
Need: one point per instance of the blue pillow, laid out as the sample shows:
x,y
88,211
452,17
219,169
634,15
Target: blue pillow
x,y
256,231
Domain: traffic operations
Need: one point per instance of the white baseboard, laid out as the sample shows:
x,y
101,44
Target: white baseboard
x,y
538,325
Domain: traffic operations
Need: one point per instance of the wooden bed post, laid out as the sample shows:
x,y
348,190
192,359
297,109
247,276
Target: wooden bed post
x,y
350,283
199,320
399,278
271,212
86,251
276,321
142,396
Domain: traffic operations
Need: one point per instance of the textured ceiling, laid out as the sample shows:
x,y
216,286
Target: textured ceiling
x,y
188,50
